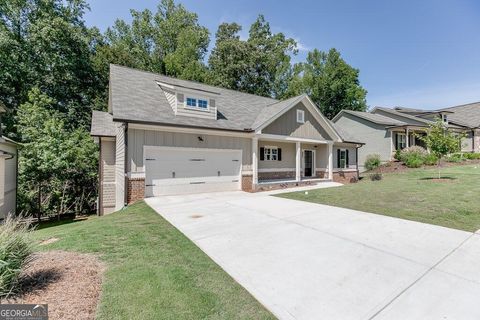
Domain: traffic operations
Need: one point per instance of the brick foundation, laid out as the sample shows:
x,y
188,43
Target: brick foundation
x,y
284,185
247,183
276,175
135,189
345,176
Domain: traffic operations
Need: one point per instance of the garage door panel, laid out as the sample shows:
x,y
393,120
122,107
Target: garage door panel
x,y
184,170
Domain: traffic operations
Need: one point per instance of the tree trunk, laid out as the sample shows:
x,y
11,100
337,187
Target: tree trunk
x,y
39,204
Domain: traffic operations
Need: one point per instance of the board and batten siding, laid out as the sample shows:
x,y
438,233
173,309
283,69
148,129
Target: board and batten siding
x,y
376,137
9,181
138,138
107,175
287,125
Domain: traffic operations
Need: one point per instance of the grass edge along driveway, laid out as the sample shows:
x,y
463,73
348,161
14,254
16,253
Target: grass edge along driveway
x,y
412,195
153,270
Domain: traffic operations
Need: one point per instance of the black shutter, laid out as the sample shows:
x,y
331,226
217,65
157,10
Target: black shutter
x,y
338,158
395,140
279,150
346,160
262,153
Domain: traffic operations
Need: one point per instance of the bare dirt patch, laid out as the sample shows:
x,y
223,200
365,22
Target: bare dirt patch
x,y
70,283
400,167
48,241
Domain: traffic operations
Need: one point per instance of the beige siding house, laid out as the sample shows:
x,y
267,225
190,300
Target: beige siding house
x,y
8,175
386,130
165,136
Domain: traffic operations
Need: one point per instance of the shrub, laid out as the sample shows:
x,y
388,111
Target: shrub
x,y
471,156
430,160
413,157
397,155
372,161
455,157
16,248
375,176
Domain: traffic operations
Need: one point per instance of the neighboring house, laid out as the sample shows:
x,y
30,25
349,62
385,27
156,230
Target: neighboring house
x,y
386,130
165,136
8,174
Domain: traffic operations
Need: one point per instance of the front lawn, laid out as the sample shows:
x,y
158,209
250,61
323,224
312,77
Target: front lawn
x,y
453,202
153,271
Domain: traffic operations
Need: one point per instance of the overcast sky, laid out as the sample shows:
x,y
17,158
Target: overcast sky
x,y
423,54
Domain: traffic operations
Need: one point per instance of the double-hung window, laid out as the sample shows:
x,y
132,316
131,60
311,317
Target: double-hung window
x,y
202,104
343,159
300,116
270,153
401,141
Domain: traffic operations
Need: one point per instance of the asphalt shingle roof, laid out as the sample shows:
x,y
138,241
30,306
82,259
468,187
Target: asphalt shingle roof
x,y
102,124
467,114
136,97
376,118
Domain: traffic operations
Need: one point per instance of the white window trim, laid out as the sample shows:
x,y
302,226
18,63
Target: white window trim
x,y
401,134
345,165
197,108
265,148
300,116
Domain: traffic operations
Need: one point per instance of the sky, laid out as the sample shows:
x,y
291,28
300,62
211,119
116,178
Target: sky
x,y
419,54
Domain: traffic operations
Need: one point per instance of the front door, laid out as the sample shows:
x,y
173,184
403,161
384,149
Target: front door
x,y
308,165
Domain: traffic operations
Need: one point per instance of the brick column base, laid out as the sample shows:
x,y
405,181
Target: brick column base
x,y
135,189
247,183
345,177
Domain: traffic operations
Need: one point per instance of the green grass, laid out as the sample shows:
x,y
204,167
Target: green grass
x,y
153,271
411,195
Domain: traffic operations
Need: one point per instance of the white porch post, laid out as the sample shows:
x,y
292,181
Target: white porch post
x,y
330,161
297,161
407,138
255,160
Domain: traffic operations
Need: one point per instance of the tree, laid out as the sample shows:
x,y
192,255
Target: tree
x,y
57,167
331,83
258,65
441,141
45,44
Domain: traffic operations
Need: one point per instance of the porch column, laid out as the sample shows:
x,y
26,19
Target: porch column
x,y
407,138
254,160
298,158
330,161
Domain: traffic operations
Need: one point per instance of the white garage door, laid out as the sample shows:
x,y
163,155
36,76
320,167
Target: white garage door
x,y
170,170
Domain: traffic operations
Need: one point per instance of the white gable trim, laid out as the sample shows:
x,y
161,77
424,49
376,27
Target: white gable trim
x,y
312,108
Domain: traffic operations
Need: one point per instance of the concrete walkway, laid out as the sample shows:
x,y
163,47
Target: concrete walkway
x,y
310,261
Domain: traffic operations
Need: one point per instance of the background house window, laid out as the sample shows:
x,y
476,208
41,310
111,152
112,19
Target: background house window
x,y
300,116
444,118
401,141
342,158
191,102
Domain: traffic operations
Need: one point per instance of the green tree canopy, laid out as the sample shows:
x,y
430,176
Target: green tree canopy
x,y
258,65
331,83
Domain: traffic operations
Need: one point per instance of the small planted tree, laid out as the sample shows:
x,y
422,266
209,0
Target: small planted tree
x,y
441,141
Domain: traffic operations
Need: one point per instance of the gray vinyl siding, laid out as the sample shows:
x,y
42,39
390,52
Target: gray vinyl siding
x,y
10,187
288,156
287,125
137,138
376,137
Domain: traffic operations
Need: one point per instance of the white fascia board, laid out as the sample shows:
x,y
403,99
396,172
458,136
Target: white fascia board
x,y
212,132
275,137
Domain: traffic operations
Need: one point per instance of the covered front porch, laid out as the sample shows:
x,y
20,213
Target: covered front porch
x,y
290,161
407,136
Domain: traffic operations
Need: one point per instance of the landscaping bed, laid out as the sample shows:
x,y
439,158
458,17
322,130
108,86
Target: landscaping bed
x,y
70,283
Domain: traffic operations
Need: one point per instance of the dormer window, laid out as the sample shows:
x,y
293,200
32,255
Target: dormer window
x,y
196,103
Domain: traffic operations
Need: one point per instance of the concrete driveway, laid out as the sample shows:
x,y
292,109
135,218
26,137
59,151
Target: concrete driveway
x,y
310,261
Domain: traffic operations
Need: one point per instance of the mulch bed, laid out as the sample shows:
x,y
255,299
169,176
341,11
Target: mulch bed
x,y
70,283
399,167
